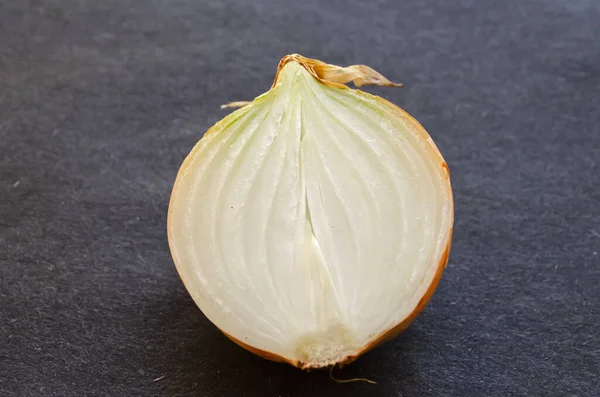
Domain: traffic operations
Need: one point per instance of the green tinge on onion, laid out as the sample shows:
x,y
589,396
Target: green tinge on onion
x,y
314,222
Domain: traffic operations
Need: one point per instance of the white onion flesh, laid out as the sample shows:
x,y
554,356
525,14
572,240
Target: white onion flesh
x,y
312,221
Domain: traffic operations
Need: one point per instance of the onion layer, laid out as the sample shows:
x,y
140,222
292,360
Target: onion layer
x,y
313,223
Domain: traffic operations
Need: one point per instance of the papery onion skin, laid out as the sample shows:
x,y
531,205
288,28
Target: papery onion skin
x,y
316,69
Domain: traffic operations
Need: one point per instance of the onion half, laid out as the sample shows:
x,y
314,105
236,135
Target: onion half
x,y
313,223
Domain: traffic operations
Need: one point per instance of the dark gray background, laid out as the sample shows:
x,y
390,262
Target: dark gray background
x,y
101,100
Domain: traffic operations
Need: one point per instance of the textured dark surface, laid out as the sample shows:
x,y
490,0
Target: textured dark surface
x,y
101,100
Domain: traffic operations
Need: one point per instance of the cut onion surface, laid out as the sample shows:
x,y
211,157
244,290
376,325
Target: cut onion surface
x,y
313,223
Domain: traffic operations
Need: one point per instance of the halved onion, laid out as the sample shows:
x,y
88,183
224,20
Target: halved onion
x,y
314,223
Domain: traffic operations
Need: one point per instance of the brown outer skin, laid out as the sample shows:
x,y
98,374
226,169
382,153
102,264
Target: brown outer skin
x,y
318,68
309,65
